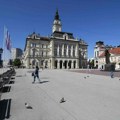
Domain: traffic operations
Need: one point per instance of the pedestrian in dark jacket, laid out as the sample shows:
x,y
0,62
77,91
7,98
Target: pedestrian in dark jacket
x,y
36,74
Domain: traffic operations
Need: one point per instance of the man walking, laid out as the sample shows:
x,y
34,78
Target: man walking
x,y
36,74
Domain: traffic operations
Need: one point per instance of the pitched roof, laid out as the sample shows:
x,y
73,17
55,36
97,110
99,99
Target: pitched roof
x,y
112,51
60,34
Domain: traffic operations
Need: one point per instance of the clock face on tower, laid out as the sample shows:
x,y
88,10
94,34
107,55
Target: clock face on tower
x,y
57,22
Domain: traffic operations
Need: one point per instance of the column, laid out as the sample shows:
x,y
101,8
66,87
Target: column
x,y
76,50
39,63
63,67
52,59
72,65
28,56
52,43
44,64
63,50
67,51
58,51
72,50
77,64
67,65
48,63
58,64
52,63
28,62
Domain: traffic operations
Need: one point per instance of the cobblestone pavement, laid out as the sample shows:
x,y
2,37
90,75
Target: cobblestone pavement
x,y
97,72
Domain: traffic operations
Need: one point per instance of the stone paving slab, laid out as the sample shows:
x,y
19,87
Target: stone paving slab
x,y
88,96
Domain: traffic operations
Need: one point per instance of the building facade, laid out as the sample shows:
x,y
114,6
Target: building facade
x,y
98,49
114,58
99,55
16,53
60,50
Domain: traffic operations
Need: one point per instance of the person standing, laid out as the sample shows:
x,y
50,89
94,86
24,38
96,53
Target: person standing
x,y
111,74
112,70
36,74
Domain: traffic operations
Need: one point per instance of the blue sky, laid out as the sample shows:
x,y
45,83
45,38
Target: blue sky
x,y
91,20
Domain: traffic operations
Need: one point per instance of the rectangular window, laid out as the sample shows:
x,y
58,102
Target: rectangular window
x,y
42,53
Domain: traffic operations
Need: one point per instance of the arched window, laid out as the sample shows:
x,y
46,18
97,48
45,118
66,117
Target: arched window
x,y
65,36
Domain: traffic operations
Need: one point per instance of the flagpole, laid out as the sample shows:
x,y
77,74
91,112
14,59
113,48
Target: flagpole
x,y
10,51
10,48
4,48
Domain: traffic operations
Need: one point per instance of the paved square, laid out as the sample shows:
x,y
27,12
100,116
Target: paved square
x,y
87,96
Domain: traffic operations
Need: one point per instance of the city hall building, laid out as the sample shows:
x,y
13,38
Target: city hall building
x,y
58,51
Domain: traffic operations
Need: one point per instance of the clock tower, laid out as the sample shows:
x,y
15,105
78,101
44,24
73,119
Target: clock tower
x,y
57,26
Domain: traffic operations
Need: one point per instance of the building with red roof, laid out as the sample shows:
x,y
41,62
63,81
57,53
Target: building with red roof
x,y
114,57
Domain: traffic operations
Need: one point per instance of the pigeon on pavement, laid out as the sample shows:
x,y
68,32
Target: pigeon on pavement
x,y
28,106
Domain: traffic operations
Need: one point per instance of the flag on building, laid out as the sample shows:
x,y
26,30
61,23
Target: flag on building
x,y
7,40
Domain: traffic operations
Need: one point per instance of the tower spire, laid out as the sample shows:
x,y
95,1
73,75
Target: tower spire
x,y
57,15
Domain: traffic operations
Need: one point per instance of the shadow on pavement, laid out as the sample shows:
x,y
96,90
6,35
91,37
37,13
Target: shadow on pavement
x,y
43,82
